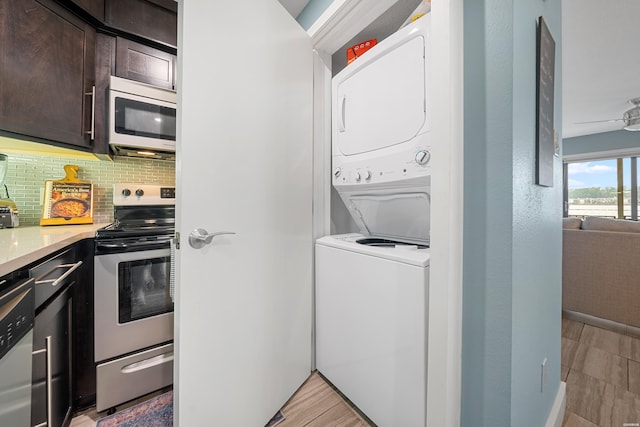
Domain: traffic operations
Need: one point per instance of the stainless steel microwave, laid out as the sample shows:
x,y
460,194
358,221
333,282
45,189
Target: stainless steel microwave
x,y
142,119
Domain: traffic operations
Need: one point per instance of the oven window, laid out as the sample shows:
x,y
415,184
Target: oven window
x,y
143,288
144,119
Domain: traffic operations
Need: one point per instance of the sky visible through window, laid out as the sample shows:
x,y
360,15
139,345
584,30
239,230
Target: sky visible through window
x,y
593,189
598,174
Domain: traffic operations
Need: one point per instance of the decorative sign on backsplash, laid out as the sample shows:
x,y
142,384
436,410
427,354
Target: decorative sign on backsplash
x,y
68,201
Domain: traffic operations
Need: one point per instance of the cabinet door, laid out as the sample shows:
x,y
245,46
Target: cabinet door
x,y
46,69
105,67
54,323
155,20
145,64
84,368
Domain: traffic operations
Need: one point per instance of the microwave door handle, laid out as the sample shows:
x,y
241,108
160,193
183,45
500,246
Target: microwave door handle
x,y
93,112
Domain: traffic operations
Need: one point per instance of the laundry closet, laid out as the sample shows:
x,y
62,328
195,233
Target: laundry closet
x,y
372,287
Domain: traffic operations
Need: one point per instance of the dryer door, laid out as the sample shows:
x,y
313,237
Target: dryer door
x,y
383,101
403,217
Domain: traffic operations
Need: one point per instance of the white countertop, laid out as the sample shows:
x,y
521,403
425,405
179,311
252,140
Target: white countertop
x,y
23,245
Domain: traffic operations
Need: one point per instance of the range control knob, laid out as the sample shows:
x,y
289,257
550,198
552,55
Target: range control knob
x,y
423,157
139,192
358,177
367,175
126,192
337,172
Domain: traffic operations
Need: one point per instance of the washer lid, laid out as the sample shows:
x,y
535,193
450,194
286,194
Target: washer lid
x,y
402,216
406,254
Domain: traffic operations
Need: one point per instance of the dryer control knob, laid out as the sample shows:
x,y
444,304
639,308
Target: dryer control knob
x,y
423,157
358,177
368,175
337,172
139,193
126,192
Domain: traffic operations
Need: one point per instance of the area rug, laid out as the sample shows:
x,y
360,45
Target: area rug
x,y
277,419
156,412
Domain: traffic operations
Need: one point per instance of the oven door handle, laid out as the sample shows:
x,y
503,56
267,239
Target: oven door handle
x,y
113,245
129,245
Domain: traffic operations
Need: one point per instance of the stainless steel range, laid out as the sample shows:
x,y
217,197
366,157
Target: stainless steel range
x,y
133,302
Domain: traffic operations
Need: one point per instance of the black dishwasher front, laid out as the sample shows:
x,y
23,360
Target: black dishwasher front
x,y
16,337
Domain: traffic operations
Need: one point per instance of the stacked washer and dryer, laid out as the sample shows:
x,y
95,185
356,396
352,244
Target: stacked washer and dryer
x,y
372,287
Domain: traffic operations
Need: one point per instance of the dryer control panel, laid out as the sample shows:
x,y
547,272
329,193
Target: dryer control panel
x,y
405,164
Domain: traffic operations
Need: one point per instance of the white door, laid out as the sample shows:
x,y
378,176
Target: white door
x,y
244,164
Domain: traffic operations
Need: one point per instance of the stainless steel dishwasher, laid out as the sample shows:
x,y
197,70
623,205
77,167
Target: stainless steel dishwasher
x,y
17,306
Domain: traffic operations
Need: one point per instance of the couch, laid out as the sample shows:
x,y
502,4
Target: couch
x,y
601,269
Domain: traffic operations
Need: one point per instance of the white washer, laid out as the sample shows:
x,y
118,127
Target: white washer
x,y
371,326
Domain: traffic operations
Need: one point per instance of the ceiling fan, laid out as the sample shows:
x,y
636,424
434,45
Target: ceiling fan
x,y
631,117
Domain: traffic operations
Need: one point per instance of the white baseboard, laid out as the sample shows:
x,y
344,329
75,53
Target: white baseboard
x,y
559,405
610,325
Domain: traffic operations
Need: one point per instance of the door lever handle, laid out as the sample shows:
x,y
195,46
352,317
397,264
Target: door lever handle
x,y
199,237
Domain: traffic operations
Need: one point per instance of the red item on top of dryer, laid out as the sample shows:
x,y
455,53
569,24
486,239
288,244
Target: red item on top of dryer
x,y
357,50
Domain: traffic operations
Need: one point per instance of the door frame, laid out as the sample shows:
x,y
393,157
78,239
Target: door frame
x,y
340,22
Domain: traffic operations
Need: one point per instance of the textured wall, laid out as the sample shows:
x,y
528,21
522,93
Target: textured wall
x,y
606,142
27,174
512,227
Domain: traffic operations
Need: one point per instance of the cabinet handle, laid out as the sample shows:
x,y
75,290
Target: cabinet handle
x,y
48,379
47,341
93,112
56,282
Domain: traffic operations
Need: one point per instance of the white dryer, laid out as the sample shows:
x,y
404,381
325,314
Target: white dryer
x,y
372,288
381,146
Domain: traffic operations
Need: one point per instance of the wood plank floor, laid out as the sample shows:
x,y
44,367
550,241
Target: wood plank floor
x,y
315,404
602,372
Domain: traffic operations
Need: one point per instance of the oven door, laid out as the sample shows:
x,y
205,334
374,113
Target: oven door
x,y
133,307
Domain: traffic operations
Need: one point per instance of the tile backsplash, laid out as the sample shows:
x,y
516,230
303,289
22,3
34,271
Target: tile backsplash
x,y
26,176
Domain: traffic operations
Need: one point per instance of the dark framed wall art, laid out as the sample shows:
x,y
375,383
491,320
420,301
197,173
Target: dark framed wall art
x,y
545,73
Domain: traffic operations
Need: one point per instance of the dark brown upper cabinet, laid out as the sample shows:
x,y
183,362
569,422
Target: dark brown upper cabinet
x,y
47,60
94,8
156,20
145,64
